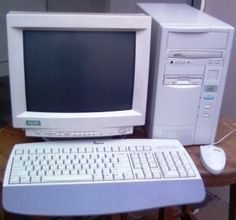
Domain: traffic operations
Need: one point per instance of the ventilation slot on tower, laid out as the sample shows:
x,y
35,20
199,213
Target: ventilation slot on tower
x,y
183,135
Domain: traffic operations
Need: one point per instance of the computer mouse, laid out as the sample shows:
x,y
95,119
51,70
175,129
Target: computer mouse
x,y
213,158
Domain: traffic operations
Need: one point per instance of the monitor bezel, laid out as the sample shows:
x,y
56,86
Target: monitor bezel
x,y
17,22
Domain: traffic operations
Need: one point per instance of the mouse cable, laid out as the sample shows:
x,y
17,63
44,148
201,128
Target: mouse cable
x,y
224,137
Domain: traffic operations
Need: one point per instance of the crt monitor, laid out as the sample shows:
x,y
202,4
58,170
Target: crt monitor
x,y
78,75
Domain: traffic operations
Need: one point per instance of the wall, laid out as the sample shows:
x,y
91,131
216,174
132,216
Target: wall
x,y
124,6
5,7
78,5
225,10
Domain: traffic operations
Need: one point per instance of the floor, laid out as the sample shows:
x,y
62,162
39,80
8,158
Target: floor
x,y
215,206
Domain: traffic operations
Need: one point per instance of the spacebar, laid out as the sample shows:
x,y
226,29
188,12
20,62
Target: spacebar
x,y
72,178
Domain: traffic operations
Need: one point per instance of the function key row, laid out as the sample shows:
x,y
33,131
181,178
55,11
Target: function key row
x,y
56,150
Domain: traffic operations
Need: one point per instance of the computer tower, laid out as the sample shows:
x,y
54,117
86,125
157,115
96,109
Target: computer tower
x,y
190,52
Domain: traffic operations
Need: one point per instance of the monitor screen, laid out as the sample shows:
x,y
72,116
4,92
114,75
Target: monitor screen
x,y
79,71
78,75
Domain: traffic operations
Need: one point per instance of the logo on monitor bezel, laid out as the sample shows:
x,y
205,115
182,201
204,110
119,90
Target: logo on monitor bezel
x,y
33,122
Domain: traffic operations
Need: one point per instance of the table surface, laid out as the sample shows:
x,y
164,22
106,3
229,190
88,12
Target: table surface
x,y
10,136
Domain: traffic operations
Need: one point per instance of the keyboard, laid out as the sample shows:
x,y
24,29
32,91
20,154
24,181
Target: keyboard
x,y
94,177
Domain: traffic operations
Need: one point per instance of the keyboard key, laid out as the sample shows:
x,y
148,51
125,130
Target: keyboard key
x,y
14,179
67,178
19,151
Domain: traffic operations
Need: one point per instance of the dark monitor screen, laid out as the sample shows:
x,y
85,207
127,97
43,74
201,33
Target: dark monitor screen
x,y
79,71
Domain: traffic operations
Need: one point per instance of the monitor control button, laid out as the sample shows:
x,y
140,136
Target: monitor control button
x,y
122,130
